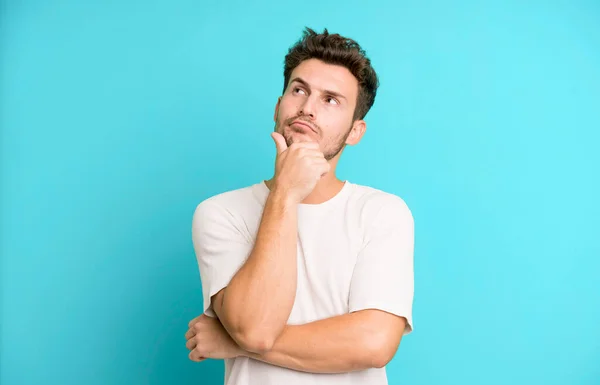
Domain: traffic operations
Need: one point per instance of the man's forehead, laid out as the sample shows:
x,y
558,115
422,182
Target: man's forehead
x,y
323,76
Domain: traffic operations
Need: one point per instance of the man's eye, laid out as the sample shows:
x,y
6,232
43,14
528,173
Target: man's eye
x,y
331,100
296,90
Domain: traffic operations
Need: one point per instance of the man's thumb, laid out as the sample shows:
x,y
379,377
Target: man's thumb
x,y
279,142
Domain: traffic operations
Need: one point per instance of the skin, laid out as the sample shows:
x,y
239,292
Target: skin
x,y
253,309
330,116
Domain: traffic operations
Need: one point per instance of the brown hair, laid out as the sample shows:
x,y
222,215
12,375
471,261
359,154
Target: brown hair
x,y
339,50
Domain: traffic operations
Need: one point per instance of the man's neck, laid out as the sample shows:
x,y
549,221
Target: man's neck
x,y
326,188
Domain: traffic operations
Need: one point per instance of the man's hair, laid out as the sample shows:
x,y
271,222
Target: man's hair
x,y
338,50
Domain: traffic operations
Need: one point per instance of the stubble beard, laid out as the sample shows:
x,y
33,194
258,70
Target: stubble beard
x,y
332,148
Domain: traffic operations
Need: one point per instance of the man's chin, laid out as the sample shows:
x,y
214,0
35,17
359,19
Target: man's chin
x,y
298,137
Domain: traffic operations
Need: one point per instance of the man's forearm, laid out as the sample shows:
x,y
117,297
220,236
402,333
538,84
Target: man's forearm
x,y
341,344
257,302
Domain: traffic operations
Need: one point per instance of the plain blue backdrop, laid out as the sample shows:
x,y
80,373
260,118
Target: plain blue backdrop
x,y
119,117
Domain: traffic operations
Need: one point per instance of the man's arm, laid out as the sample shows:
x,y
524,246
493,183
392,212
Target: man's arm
x,y
350,342
255,305
380,306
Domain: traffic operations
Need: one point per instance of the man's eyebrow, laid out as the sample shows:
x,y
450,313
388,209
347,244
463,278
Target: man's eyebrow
x,y
328,92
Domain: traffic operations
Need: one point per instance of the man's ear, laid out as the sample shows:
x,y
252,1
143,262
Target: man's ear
x,y
356,133
276,109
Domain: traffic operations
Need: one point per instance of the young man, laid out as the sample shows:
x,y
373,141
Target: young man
x,y
307,279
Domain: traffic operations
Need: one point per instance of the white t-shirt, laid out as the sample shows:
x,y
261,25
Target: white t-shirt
x,y
355,252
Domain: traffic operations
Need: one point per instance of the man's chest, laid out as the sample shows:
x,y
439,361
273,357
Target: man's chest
x,y
327,253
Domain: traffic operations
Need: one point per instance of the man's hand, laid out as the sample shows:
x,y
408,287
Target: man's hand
x,y
298,168
206,338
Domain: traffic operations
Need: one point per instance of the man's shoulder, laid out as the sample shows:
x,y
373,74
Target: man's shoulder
x,y
234,195
233,201
378,210
377,200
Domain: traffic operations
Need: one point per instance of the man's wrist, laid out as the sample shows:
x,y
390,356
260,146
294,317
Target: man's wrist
x,y
282,198
241,353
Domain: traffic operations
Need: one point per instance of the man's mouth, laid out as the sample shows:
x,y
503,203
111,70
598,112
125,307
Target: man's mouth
x,y
302,124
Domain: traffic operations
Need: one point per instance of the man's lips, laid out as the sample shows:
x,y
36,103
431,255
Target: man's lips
x,y
303,124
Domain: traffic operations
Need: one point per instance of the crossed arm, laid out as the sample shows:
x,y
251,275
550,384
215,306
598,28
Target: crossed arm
x,y
355,341
254,307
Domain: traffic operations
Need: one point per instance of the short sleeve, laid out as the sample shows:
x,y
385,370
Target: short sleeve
x,y
383,276
221,249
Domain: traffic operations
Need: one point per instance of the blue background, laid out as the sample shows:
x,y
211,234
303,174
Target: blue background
x,y
119,117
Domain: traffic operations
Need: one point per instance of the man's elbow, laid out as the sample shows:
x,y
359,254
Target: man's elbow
x,y
254,341
381,359
382,350
247,337
251,338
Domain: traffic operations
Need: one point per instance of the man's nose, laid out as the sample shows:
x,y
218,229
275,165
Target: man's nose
x,y
308,107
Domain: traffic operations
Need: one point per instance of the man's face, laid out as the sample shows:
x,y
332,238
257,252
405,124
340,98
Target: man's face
x,y
318,105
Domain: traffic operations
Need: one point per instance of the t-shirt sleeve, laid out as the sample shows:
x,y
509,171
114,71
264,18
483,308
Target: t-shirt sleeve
x,y
383,276
220,247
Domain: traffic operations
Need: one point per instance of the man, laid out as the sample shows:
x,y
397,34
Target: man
x,y
307,279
